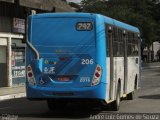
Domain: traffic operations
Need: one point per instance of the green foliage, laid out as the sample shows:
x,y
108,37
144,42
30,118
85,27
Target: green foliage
x,y
72,4
143,14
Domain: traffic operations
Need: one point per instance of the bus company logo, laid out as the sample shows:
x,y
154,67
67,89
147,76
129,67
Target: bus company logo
x,y
49,70
50,62
46,62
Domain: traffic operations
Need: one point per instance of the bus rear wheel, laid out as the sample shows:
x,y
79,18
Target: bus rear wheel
x,y
130,96
116,104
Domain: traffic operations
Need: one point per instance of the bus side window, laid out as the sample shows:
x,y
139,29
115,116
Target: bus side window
x,y
129,49
118,43
132,44
115,42
107,40
136,44
121,42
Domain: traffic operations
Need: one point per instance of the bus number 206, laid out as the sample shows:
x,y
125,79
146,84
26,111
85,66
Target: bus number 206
x,y
86,61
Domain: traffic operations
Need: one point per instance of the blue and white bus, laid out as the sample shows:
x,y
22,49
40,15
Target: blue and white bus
x,y
81,57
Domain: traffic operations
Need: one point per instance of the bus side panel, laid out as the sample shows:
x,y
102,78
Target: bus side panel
x,y
118,73
107,78
101,49
133,70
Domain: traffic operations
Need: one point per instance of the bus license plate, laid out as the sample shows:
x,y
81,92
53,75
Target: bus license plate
x,y
63,79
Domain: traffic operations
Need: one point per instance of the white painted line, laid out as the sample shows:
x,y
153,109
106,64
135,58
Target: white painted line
x,y
12,96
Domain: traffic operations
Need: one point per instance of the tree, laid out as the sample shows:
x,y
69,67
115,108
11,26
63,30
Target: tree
x,y
76,6
156,16
143,14
135,12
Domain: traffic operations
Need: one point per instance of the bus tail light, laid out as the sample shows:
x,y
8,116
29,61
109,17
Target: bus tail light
x,y
30,75
97,75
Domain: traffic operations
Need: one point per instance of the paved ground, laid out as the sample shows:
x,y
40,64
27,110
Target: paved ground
x,y
12,92
147,100
148,96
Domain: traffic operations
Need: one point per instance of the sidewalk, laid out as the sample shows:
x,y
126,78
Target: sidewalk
x,y
150,65
12,92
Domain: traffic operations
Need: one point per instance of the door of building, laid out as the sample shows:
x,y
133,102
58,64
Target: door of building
x,y
3,62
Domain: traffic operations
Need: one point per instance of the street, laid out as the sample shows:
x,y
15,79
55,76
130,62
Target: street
x,y
147,100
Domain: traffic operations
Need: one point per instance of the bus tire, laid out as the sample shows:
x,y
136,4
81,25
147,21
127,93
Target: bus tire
x,y
130,96
136,84
116,104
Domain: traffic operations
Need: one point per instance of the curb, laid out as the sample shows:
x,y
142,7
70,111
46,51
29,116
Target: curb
x,y
12,96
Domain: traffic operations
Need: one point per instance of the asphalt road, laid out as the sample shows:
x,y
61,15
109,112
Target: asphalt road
x,y
147,100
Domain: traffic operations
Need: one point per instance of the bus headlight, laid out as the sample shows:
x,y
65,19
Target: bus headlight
x,y
97,75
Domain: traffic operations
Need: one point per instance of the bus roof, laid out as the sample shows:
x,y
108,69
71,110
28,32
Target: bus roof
x,y
64,14
120,24
93,15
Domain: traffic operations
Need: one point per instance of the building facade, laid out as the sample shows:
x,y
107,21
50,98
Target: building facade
x,y
13,15
153,54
